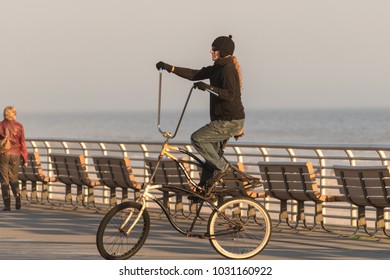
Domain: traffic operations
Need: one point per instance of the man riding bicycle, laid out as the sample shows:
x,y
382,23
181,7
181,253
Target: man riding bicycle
x,y
227,114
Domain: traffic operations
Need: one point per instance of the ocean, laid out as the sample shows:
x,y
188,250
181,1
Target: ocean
x,y
336,126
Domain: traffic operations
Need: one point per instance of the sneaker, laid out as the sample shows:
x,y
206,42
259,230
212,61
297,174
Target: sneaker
x,y
199,191
6,209
218,175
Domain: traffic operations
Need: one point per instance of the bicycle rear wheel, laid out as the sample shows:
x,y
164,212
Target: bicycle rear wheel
x,y
240,229
113,241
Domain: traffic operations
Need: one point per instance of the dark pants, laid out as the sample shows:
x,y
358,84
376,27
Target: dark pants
x,y
9,169
210,140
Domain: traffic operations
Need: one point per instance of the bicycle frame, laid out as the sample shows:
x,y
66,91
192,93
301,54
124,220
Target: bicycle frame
x,y
166,152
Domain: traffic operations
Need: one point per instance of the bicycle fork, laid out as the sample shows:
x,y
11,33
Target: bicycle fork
x,y
124,224
142,201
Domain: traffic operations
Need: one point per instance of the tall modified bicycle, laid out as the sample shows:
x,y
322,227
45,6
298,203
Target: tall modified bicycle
x,y
238,227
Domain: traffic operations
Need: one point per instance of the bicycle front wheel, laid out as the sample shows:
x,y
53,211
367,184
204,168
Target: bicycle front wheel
x,y
240,228
120,234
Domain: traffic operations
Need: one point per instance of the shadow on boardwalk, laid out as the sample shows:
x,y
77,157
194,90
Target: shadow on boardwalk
x,y
45,233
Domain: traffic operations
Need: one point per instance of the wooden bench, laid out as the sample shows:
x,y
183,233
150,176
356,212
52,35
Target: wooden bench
x,y
365,186
71,170
295,181
168,175
34,173
116,172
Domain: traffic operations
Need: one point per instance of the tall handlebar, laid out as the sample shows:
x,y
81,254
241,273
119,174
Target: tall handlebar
x,y
167,134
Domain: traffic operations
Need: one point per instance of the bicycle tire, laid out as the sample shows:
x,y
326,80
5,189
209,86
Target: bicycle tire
x,y
112,242
240,228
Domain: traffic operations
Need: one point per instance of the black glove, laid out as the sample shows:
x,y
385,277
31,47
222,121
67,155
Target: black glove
x,y
201,85
164,66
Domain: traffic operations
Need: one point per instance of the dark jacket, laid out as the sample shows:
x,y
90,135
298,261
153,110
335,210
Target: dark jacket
x,y
15,133
224,80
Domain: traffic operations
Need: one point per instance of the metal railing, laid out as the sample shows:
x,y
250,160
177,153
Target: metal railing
x,y
323,157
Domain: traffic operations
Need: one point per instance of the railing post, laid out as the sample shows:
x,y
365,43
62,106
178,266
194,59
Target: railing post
x,y
291,153
106,192
264,152
322,163
65,146
354,211
351,157
323,182
103,148
384,160
294,204
383,157
144,149
49,166
237,150
124,150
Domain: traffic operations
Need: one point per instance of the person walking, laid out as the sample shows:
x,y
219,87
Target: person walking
x,y
11,158
227,115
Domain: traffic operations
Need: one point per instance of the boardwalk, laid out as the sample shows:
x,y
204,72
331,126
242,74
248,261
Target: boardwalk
x,y
46,233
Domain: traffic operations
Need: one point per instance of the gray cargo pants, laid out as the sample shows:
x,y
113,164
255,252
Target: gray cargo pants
x,y
210,141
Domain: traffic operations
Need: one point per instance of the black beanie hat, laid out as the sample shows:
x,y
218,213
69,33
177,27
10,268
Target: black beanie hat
x,y
224,44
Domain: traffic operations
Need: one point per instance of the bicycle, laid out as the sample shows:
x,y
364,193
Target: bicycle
x,y
238,228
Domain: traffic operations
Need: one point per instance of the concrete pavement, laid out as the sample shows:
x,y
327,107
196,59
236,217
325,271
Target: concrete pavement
x,y
42,232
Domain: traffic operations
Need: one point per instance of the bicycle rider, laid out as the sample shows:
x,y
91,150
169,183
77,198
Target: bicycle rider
x,y
227,114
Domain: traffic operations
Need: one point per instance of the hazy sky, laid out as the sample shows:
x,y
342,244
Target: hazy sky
x,y
65,55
